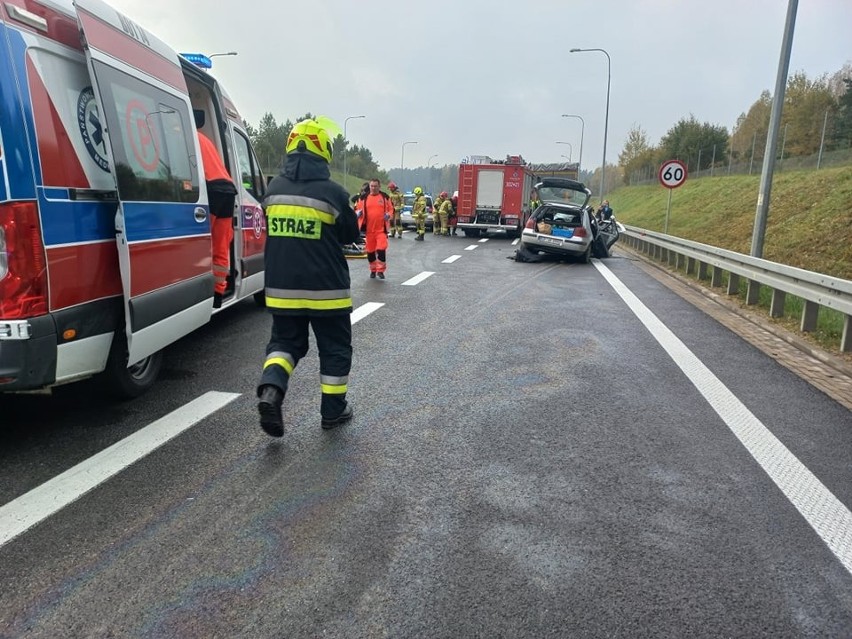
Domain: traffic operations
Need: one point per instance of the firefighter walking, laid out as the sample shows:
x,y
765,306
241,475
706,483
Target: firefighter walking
x,y
437,223
397,202
418,212
307,277
374,210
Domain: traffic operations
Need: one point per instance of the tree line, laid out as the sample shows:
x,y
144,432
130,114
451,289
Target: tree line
x,y
816,117
269,140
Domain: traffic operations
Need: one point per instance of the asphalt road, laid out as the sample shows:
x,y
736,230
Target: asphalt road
x,y
548,449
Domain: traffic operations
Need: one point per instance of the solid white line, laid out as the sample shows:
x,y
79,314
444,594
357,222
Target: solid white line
x,y
826,514
414,281
471,247
451,259
31,508
365,309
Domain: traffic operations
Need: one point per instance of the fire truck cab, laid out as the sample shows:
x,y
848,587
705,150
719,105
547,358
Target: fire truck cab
x,y
105,247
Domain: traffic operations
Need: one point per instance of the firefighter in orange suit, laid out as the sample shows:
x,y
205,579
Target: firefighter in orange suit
x,y
222,194
374,211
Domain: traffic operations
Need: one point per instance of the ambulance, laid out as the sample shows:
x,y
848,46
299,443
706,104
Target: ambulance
x,y
105,247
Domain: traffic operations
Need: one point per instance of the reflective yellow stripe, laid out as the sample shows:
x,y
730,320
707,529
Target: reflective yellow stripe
x,y
333,389
300,212
314,305
279,361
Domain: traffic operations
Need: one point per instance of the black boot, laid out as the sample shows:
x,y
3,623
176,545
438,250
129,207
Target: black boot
x,y
269,407
217,300
345,416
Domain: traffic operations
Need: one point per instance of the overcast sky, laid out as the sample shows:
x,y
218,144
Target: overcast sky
x,y
489,77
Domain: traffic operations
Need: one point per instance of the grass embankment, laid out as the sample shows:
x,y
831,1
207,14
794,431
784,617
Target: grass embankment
x,y
809,225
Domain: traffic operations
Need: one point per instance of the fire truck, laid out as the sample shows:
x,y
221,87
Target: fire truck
x,y
494,195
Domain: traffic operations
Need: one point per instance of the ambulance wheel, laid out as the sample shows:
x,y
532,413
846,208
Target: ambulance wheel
x,y
260,299
124,382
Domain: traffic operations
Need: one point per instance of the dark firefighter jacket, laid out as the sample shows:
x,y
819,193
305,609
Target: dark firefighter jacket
x,y
308,219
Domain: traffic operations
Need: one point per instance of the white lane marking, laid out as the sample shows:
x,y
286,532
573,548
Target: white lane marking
x,y
826,514
365,309
484,239
414,281
516,240
31,508
451,259
471,247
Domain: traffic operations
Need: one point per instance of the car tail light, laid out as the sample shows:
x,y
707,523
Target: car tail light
x,y
580,232
530,223
23,273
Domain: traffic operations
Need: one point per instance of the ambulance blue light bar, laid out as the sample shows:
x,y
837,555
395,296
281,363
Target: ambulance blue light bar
x,y
199,59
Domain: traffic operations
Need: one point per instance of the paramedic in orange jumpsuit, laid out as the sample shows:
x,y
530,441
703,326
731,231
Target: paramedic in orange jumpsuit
x,y
374,210
222,194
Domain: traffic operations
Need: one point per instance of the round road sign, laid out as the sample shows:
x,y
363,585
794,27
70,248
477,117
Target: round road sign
x,y
672,174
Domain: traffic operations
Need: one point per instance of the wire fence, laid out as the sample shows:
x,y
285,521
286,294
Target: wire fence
x,y
752,166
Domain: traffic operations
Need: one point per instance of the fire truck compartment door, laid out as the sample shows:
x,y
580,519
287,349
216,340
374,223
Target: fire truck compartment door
x,y
148,133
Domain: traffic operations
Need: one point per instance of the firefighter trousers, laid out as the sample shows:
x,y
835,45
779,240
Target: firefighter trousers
x,y
289,344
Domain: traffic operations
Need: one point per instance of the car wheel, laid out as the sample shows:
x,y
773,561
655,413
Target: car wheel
x,y
586,258
126,382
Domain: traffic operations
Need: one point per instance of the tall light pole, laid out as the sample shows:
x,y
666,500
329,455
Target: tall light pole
x,y
213,55
570,149
345,122
582,132
402,161
429,164
606,117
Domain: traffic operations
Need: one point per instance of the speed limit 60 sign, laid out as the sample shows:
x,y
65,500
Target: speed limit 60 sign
x,y
672,174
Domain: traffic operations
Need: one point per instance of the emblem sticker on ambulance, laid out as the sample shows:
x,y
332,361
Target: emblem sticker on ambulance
x,y
91,128
258,222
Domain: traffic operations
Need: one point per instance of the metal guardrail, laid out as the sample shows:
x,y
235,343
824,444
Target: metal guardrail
x,y
815,289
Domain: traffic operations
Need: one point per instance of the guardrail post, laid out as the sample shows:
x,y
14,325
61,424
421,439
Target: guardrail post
x,y
776,306
846,338
733,284
716,277
690,265
752,293
809,317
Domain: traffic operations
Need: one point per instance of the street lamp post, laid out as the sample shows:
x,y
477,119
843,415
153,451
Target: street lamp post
x,y
606,117
213,55
429,164
582,133
345,122
570,149
402,161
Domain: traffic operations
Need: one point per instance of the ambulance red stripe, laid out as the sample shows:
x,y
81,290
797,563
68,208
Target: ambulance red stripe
x,y
159,264
82,273
59,163
108,39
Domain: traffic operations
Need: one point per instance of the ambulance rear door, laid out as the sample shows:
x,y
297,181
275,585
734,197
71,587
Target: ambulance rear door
x,y
162,226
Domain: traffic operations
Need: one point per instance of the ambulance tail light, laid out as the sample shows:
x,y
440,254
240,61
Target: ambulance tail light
x,y
23,272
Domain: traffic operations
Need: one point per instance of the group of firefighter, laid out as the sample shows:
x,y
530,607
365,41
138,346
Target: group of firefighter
x,y
443,211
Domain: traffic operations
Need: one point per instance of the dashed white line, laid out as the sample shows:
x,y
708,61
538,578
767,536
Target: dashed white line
x,y
451,259
414,281
484,239
471,247
24,512
826,514
515,241
365,309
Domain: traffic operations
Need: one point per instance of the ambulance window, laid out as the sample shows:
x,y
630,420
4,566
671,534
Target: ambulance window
x,y
250,174
152,138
